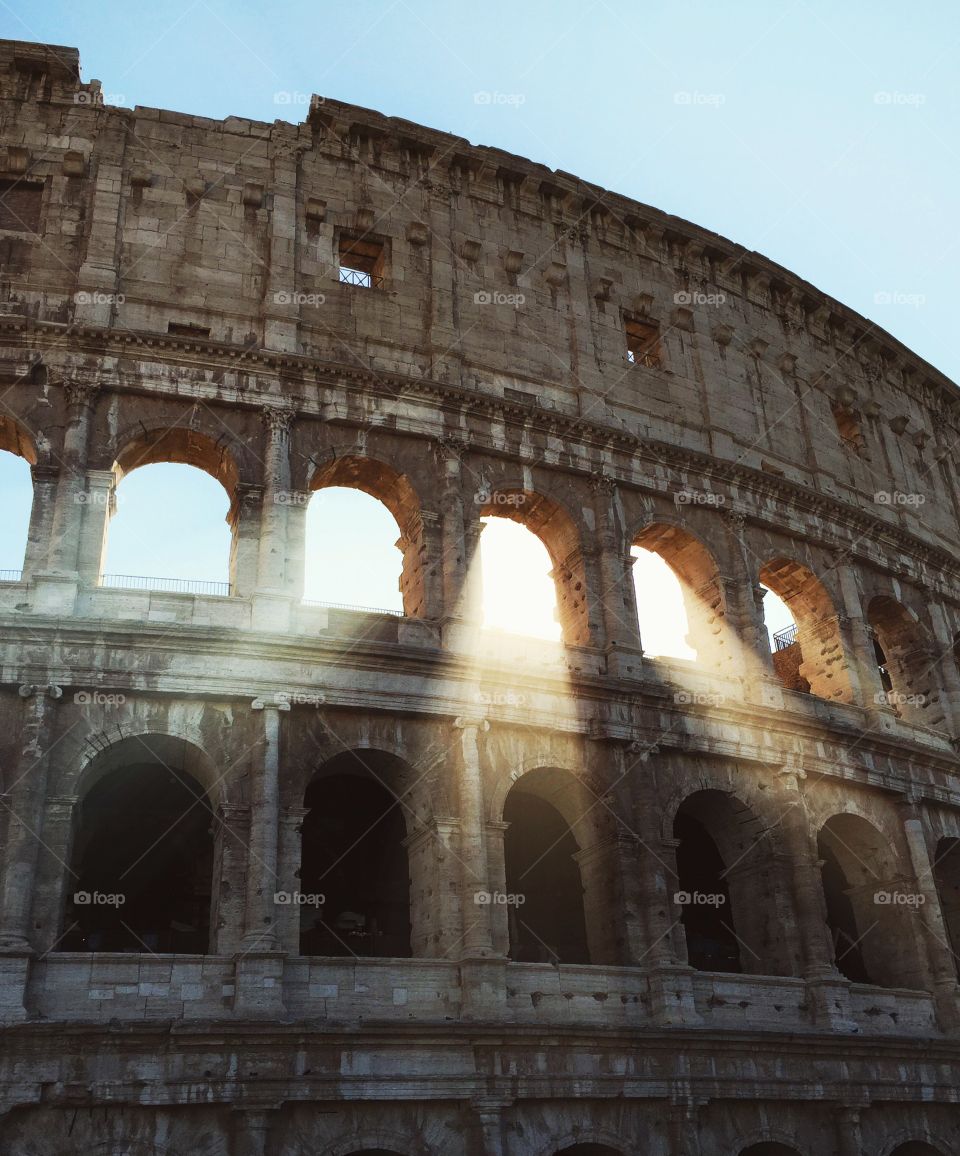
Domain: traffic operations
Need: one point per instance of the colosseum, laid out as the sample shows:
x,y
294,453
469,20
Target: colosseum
x,y
397,884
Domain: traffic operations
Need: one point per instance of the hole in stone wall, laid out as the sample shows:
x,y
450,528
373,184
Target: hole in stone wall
x,y
352,554
361,261
643,343
353,855
16,500
143,833
20,205
519,593
946,873
661,613
549,926
711,942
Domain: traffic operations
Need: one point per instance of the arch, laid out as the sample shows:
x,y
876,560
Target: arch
x,y
874,933
588,1148
600,1139
396,492
547,923
698,574
946,875
770,1148
354,855
729,893
814,660
906,662
142,851
15,438
181,446
553,524
916,1148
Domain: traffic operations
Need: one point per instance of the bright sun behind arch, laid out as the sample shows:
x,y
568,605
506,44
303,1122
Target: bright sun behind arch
x,y
518,593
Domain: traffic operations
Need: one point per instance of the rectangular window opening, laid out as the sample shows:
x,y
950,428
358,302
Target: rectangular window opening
x,y
361,262
179,329
643,343
20,203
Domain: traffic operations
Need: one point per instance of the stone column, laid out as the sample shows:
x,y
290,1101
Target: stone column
x,y
260,962
272,602
288,879
664,956
460,579
940,957
482,973
244,520
56,585
829,990
251,1131
945,668
23,804
848,1131
489,1110
615,592
858,639
497,876
296,560
98,508
281,310
45,479
229,865
55,879
98,276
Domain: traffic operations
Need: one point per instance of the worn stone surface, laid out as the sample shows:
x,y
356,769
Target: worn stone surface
x,y
518,342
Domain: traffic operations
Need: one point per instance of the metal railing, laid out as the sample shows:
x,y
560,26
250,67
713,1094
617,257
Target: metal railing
x,y
165,585
784,638
350,606
358,277
10,575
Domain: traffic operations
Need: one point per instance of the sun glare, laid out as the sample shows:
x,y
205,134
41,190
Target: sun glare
x,y
518,593
660,609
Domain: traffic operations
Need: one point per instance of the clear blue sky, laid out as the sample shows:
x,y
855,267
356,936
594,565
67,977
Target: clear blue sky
x,y
819,133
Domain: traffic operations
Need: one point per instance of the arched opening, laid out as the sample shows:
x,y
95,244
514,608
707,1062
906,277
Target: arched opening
x,y
17,455
808,653
519,595
769,1148
729,896
142,859
661,612
353,555
916,1148
680,602
906,664
946,874
869,910
353,539
589,1150
546,917
354,873
174,526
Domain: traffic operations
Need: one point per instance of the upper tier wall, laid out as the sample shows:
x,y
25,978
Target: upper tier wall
x,y
139,219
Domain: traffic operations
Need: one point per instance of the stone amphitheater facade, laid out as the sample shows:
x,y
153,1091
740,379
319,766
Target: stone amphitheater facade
x,y
747,936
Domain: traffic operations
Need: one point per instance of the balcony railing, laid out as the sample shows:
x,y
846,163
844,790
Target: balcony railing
x,y
10,575
358,277
350,606
165,585
784,638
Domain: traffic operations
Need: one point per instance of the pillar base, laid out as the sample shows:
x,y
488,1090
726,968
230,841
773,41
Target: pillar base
x,y
671,996
483,985
624,662
14,971
53,593
272,611
946,997
259,985
829,1000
